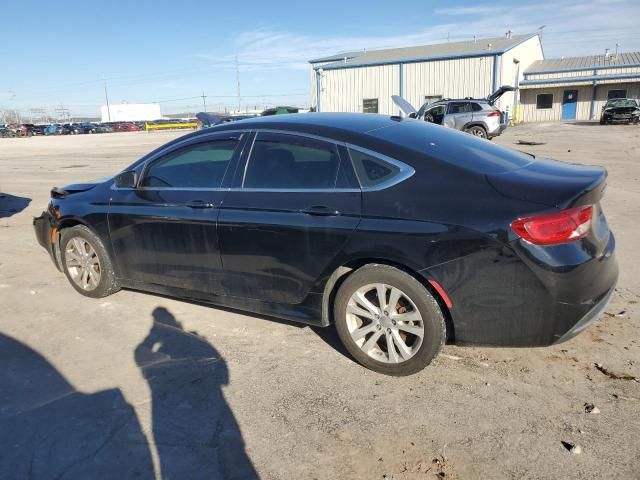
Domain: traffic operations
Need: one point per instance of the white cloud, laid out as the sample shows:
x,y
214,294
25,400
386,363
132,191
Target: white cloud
x,y
573,27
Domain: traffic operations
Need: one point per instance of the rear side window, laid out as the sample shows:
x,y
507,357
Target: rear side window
x,y
459,107
371,169
283,161
197,166
476,107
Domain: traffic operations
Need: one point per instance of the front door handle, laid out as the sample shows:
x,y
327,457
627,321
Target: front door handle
x,y
200,204
321,210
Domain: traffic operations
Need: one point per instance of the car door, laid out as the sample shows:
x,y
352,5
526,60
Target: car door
x,y
294,204
163,232
459,114
435,114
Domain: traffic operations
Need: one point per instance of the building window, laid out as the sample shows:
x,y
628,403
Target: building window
x,y
616,94
370,105
544,101
429,99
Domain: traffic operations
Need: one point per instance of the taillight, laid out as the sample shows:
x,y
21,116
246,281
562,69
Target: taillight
x,y
553,228
495,113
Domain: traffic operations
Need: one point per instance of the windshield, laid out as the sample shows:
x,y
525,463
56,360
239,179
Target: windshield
x,y
621,102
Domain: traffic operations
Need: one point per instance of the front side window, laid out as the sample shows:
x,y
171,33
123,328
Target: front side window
x,y
197,166
370,105
544,101
284,161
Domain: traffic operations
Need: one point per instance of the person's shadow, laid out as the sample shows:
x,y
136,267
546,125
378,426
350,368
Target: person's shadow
x,y
195,432
11,205
49,430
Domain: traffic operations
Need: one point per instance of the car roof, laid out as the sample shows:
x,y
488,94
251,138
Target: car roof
x,y
356,123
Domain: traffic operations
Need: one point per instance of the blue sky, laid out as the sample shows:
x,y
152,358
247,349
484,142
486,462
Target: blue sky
x,y
171,52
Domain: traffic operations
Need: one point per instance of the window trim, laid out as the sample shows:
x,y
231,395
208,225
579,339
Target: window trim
x,y
205,138
545,93
377,100
405,172
299,134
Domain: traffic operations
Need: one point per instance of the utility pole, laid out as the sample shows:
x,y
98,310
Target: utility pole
x,y
238,82
106,96
204,102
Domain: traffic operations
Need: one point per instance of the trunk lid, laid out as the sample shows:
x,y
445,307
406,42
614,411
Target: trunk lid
x,y
491,99
552,183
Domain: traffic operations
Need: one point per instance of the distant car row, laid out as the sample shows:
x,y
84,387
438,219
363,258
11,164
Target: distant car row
x,y
29,129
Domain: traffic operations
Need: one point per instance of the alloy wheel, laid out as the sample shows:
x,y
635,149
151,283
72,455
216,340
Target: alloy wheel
x,y
82,263
385,323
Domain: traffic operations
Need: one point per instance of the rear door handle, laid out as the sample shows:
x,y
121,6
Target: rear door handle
x,y
321,210
200,204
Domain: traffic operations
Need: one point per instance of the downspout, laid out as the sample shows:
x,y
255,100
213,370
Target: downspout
x,y
318,77
594,96
495,72
401,79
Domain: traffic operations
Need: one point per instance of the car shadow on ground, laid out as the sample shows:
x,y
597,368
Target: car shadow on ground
x,y
11,205
48,429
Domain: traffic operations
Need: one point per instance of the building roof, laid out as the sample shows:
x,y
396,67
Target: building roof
x,y
470,48
585,63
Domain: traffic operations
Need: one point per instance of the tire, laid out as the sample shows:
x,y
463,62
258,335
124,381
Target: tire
x,y
602,121
372,349
100,278
476,131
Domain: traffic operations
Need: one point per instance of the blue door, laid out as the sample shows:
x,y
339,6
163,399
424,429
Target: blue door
x,y
569,102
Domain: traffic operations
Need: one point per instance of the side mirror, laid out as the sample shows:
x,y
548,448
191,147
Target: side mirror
x,y
126,179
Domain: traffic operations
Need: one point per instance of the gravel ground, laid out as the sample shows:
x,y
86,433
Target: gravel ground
x,y
142,386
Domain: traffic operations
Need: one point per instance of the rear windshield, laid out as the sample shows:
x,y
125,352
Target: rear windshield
x,y
454,147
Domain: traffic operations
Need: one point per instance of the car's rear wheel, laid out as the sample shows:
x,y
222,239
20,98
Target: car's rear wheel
x,y
476,131
86,263
388,321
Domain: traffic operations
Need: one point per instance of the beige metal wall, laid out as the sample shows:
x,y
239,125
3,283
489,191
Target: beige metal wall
x,y
343,90
456,78
583,107
526,53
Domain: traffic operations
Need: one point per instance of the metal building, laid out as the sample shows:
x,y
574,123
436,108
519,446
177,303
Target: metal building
x,y
577,88
364,81
130,112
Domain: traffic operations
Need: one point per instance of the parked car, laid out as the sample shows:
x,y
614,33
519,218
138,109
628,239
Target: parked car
x,y
54,129
37,129
208,120
479,117
401,233
87,128
103,128
18,130
620,110
71,129
125,127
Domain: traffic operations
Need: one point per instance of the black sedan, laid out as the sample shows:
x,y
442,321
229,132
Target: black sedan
x,y
625,110
402,234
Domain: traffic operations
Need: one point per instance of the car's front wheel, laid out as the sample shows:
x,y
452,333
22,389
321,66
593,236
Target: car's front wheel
x,y
388,321
86,263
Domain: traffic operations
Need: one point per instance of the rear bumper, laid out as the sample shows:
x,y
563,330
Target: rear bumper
x,y
589,318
